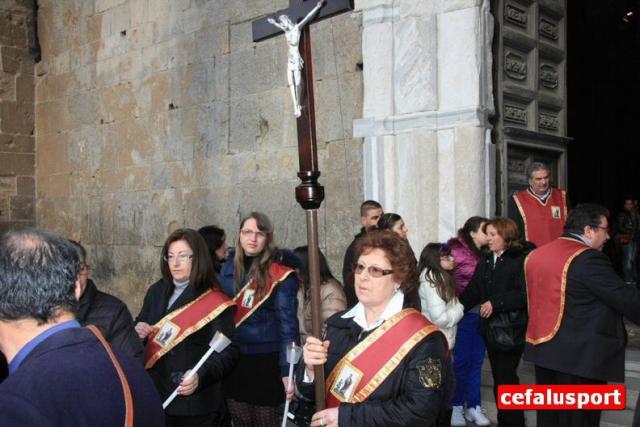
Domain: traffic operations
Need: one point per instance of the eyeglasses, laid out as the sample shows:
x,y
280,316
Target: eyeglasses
x,y
250,233
179,257
606,229
84,267
372,270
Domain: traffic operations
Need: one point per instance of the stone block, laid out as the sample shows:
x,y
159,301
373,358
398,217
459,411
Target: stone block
x,y
271,67
154,93
193,83
17,164
17,144
101,211
5,211
212,41
377,46
56,185
16,118
53,154
140,36
11,58
138,10
84,108
212,129
459,67
181,50
25,88
23,208
13,28
116,103
329,104
264,120
415,68
7,87
8,184
25,186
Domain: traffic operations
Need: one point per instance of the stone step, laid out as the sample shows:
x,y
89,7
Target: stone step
x,y
527,376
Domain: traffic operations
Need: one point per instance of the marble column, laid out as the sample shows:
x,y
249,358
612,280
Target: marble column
x,y
428,96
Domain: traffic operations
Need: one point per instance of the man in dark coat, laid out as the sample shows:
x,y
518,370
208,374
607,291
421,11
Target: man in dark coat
x,y
576,333
60,373
107,312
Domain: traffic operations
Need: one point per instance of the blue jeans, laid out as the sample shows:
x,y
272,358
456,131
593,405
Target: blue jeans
x,y
629,252
468,355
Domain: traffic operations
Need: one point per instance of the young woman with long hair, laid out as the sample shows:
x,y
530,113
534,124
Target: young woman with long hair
x,y
468,354
265,292
437,290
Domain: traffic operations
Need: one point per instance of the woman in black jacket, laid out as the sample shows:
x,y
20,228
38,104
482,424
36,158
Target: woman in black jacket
x,y
188,296
498,285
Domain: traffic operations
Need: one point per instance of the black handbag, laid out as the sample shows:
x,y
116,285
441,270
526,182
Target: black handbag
x,y
506,330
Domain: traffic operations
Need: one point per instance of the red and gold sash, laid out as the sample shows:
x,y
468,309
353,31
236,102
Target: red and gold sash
x,y
545,272
543,222
246,299
368,364
173,328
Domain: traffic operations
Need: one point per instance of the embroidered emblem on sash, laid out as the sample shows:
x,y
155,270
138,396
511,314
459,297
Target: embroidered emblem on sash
x,y
248,298
346,382
555,212
430,372
167,334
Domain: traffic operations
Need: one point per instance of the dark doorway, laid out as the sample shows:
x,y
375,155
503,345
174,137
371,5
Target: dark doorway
x,y
603,97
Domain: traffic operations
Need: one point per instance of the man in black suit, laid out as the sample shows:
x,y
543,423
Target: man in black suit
x,y
576,333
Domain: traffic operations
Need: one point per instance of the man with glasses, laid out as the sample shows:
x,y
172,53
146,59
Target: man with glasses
x,y
106,312
576,333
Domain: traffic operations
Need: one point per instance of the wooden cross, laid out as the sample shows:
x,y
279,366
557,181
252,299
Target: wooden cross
x,y
309,193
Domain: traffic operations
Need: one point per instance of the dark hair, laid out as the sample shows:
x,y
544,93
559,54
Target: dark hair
x,y
214,237
583,215
367,205
388,220
259,269
507,229
472,225
397,251
202,275
38,272
82,252
302,252
536,166
430,263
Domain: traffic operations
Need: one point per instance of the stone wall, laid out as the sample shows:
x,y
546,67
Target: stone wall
x,y
18,46
157,114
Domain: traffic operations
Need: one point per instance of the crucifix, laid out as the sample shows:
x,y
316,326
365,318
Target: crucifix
x,y
294,21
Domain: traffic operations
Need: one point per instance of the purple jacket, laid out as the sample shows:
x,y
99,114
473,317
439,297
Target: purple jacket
x,y
466,262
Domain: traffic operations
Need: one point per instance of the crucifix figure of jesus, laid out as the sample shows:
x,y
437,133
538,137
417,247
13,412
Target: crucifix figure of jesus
x,y
295,61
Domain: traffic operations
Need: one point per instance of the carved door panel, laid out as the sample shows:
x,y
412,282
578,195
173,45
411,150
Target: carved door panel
x,y
529,50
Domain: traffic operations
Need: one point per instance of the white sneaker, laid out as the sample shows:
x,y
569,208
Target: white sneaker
x,y
477,416
457,419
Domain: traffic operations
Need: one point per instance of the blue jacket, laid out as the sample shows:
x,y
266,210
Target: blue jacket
x,y
69,379
274,325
